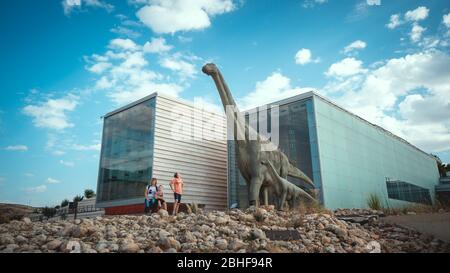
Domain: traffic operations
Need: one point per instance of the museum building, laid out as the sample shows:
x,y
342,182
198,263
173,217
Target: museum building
x,y
347,157
157,136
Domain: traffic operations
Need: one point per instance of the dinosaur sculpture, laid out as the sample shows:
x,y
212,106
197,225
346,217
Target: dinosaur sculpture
x,y
248,151
285,190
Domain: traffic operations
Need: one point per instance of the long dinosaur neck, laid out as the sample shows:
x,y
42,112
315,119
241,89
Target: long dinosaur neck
x,y
228,100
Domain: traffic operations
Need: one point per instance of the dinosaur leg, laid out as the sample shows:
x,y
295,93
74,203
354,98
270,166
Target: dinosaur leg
x,y
266,196
282,200
255,187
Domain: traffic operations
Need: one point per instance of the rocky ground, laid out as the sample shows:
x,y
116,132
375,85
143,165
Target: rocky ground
x,y
231,231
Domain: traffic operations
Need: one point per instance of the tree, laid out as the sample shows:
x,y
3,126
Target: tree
x,y
65,202
76,199
88,193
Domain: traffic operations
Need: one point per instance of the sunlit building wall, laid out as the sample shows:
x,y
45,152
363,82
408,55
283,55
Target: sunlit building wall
x,y
156,137
347,157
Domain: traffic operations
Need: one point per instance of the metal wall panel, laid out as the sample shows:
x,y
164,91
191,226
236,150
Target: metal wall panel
x,y
202,163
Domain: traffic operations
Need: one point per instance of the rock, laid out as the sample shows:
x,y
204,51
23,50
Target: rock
x,y
171,250
221,220
256,233
6,239
156,249
73,247
27,220
11,248
163,213
163,233
340,232
129,247
20,239
41,238
236,244
53,245
221,244
168,242
330,249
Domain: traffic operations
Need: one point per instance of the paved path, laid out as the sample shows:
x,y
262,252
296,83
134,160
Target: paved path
x,y
436,224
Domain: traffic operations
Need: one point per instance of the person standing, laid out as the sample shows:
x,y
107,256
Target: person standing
x,y
160,198
176,184
150,194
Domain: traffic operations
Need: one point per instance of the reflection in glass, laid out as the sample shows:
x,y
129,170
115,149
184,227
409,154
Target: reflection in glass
x,y
127,151
294,141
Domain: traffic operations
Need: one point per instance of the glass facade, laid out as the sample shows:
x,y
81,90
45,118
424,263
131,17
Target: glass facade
x,y
357,158
127,153
297,139
405,191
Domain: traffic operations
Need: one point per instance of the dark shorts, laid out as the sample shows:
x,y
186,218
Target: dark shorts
x,y
177,197
150,203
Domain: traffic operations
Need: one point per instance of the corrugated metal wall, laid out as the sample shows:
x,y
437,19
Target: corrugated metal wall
x,y
202,161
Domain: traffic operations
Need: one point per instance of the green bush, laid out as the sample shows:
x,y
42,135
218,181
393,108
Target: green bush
x,y
374,202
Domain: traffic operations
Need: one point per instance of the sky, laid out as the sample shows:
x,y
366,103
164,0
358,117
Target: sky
x,y
65,63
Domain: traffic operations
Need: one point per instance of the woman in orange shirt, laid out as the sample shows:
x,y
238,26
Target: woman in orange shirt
x,y
176,184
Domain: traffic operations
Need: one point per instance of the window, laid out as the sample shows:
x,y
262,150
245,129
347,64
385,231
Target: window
x,y
405,191
127,152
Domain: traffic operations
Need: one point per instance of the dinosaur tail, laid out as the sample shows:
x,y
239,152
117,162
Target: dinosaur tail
x,y
295,172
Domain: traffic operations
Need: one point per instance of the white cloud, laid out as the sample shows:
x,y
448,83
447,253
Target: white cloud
x,y
123,44
185,69
273,88
92,147
313,3
53,181
67,163
394,21
29,174
418,14
170,16
446,20
37,189
416,32
304,56
408,96
71,5
100,67
16,148
157,45
356,45
129,78
125,31
373,2
346,67
52,113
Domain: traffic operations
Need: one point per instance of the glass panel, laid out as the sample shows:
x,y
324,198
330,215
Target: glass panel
x,y
127,151
295,141
405,191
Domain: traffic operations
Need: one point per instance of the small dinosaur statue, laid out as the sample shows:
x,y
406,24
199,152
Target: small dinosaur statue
x,y
248,151
285,190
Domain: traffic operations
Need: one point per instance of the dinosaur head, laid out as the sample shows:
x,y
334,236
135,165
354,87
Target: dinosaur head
x,y
210,69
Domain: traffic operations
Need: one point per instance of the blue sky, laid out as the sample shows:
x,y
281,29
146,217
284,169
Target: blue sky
x,y
66,63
